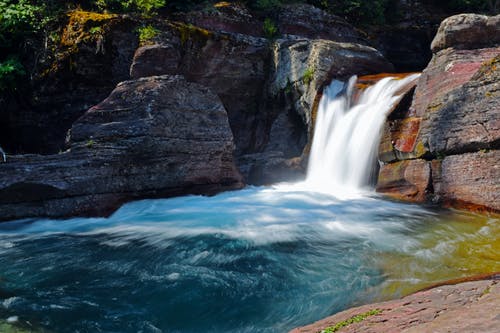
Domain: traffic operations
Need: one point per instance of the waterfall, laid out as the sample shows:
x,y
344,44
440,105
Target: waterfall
x,y
347,134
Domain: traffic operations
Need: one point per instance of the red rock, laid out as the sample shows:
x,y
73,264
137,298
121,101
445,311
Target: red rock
x,y
466,308
408,180
469,180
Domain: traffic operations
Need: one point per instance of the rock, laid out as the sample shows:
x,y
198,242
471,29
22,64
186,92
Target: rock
x,y
467,31
468,181
155,136
232,65
307,21
464,307
408,180
454,113
454,109
405,38
93,55
304,67
224,17
467,118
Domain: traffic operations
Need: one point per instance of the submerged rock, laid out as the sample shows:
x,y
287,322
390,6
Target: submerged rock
x,y
155,136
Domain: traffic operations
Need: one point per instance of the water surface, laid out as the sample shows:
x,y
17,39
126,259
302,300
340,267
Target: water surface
x,y
256,260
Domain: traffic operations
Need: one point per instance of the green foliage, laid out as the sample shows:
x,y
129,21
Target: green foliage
x,y
308,75
269,28
90,143
146,7
19,18
147,33
11,70
352,320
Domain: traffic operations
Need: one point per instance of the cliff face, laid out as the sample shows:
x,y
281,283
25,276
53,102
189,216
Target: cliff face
x,y
445,147
204,88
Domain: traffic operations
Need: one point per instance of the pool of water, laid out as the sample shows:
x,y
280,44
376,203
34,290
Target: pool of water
x,y
255,260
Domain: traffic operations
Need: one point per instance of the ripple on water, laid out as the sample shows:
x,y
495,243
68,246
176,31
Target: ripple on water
x,y
258,260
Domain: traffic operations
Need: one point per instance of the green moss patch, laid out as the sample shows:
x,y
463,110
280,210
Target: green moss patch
x,y
355,319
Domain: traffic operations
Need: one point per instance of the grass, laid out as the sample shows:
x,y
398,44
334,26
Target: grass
x,y
352,320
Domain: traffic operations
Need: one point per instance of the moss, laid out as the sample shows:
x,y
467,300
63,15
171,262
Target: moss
x,y
189,32
308,75
82,26
486,291
222,4
352,320
420,149
90,143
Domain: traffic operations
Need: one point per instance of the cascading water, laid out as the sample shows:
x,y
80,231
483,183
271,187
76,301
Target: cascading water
x,y
347,134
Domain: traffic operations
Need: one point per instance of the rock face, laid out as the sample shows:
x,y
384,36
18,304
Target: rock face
x,y
306,21
232,65
94,54
465,307
270,89
157,136
454,119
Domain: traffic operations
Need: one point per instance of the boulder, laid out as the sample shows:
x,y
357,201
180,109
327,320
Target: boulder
x,y
467,31
232,65
152,137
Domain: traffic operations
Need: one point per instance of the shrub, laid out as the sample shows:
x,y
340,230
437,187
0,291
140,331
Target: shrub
x,y
147,33
146,7
10,71
269,28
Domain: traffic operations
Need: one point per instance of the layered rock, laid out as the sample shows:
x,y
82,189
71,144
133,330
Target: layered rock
x,y
157,136
455,111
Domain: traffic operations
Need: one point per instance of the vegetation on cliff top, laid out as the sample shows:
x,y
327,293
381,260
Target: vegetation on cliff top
x,y
27,26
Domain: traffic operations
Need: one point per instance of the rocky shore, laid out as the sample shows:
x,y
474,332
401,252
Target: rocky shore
x,y
464,307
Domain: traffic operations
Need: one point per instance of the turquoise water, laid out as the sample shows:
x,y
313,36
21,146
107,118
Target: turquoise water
x,y
255,260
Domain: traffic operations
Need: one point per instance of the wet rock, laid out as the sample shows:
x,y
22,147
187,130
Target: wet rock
x,y
152,137
464,307
408,180
304,67
454,112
